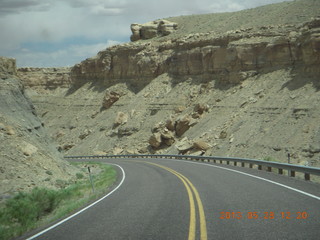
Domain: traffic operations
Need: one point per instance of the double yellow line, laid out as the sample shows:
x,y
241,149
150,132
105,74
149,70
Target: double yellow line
x,y
192,192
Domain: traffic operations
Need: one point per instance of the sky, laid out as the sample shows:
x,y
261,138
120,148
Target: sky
x,y
56,33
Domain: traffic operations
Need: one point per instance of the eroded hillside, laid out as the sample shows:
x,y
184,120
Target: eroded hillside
x,y
28,156
249,91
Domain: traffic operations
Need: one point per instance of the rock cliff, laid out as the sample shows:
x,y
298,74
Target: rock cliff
x,y
153,29
229,58
45,78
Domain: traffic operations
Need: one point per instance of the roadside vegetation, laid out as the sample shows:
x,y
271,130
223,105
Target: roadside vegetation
x,y
41,206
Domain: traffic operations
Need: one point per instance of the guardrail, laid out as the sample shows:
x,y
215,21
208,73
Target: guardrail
x,y
251,162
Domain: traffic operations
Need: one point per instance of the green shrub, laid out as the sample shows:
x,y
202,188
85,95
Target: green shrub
x,y
61,183
25,211
79,175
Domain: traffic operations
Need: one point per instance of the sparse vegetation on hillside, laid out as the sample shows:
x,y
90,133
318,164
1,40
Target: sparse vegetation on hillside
x,y
41,206
288,12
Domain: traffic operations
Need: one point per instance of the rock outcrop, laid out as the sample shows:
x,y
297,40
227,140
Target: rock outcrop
x,y
121,119
109,99
230,58
45,78
7,67
158,28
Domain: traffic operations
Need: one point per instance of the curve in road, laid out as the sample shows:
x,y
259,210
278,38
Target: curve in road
x,y
154,203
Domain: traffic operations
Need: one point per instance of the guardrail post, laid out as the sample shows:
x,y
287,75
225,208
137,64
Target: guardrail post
x,y
259,167
269,169
250,165
280,171
292,173
307,176
221,161
242,164
235,163
228,162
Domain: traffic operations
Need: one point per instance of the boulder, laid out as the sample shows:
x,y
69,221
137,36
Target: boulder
x,y
67,146
169,142
201,145
127,130
135,29
170,124
184,145
29,149
196,152
223,134
155,140
167,137
158,127
182,125
166,134
121,119
152,29
200,108
85,134
109,99
10,131
117,151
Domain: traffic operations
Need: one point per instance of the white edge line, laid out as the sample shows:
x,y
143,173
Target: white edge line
x,y
250,175
82,210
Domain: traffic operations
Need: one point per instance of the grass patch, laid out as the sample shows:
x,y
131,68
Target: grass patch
x,y
41,206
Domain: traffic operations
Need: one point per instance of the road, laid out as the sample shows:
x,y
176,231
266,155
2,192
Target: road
x,y
174,199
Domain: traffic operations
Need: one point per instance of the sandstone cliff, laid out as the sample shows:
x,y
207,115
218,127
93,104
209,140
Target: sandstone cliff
x,y
229,57
45,78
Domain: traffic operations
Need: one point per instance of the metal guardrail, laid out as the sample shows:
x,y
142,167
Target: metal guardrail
x,y
251,162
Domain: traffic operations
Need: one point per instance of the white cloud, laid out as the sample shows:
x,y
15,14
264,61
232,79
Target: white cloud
x,y
90,50
55,22
102,10
18,6
62,57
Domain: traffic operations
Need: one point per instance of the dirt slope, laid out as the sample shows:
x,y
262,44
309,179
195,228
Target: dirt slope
x,y
28,156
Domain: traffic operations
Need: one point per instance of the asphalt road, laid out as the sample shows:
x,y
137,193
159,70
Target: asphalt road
x,y
173,199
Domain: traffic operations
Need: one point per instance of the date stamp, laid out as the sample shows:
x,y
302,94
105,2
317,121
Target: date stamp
x,y
263,215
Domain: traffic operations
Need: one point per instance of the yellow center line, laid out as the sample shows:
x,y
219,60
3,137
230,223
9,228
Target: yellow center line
x,y
192,226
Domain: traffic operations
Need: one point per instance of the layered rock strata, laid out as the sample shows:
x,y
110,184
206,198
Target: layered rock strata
x,y
45,78
230,57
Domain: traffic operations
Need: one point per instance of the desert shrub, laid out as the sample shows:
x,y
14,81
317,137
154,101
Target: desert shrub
x,y
79,175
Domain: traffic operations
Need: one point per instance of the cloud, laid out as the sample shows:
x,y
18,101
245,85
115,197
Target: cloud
x,y
41,26
18,6
101,10
66,56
